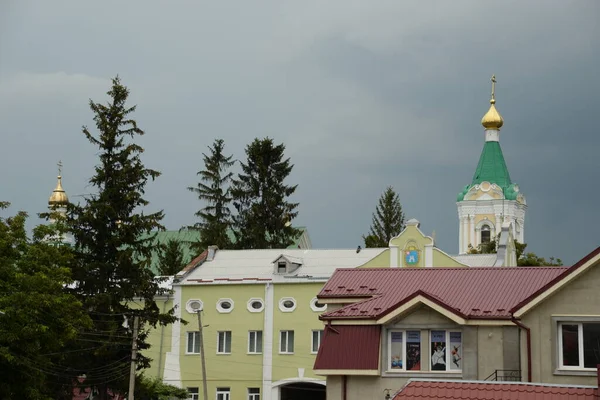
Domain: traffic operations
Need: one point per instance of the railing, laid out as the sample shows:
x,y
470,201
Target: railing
x,y
505,375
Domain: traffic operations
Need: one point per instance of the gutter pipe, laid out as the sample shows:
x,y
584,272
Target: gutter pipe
x,y
528,337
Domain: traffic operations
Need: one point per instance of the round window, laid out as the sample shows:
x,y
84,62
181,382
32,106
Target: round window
x,y
319,305
226,305
288,304
257,305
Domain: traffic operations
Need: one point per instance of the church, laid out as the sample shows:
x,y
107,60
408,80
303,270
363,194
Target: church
x,y
260,306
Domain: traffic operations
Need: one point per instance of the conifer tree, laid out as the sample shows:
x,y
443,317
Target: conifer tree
x,y
387,220
213,188
113,246
260,196
171,259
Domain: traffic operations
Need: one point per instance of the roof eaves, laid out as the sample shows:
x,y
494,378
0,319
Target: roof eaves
x,y
192,265
560,277
429,297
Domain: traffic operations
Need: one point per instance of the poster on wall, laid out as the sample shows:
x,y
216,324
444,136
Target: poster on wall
x,y
396,350
413,350
455,351
438,350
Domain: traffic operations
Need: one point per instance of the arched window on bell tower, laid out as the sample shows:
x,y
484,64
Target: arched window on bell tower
x,y
485,234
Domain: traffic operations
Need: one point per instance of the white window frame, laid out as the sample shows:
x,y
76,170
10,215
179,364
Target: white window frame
x,y
254,395
580,344
286,333
188,306
313,305
193,395
223,393
253,338
389,348
224,334
280,264
448,351
195,336
225,310
255,310
319,340
283,300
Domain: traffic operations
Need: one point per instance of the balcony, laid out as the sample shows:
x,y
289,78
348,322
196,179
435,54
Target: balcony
x,y
505,375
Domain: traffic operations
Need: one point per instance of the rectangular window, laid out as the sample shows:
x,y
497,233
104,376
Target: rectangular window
x,y
446,351
223,393
317,335
193,393
281,267
193,343
404,350
224,342
286,342
579,345
253,394
255,342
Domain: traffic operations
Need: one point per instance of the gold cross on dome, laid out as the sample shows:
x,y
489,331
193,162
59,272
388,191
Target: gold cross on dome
x,y
59,164
493,87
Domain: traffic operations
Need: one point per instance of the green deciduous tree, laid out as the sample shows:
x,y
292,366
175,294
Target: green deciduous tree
x,y
213,188
39,320
387,220
154,389
171,258
260,196
113,246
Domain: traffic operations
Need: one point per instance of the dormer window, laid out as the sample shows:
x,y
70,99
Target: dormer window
x,y
281,267
286,264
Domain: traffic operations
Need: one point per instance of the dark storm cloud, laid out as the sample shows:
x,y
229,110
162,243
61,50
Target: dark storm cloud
x,y
363,94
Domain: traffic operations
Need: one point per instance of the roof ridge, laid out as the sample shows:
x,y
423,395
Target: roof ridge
x,y
501,383
452,268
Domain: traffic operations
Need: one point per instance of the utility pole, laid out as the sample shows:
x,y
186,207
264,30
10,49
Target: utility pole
x,y
201,338
136,322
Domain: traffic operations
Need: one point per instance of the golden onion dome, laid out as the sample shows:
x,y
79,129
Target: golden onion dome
x,y
492,119
58,197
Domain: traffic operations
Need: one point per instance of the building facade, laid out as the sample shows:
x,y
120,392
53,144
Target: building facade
x,y
492,199
384,327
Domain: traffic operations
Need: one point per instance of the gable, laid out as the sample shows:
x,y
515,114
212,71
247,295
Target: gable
x,y
422,315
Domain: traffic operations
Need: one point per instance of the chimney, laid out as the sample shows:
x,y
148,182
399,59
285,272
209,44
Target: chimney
x,y
212,250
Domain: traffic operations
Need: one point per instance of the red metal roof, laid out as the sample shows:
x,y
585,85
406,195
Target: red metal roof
x,y
442,390
349,347
468,292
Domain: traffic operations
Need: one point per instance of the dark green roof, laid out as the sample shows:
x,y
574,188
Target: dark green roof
x,y
492,167
187,237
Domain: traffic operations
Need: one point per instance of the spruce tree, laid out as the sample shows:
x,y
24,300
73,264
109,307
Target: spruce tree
x,y
113,246
387,220
213,188
260,197
171,258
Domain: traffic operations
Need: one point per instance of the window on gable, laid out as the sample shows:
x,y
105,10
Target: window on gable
x,y
281,267
579,345
405,348
485,234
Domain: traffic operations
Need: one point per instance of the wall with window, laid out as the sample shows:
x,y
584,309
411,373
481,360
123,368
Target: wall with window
x,y
294,323
231,311
565,333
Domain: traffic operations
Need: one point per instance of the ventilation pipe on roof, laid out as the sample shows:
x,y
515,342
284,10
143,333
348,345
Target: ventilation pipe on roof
x,y
528,337
211,252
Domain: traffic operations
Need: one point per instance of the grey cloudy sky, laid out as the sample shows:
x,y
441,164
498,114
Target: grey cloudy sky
x,y
364,94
